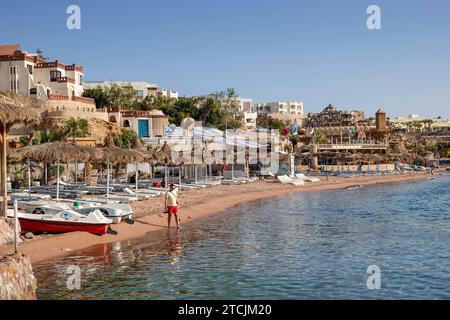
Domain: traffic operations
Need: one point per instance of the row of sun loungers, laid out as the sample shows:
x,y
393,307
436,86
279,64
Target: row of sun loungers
x,y
118,192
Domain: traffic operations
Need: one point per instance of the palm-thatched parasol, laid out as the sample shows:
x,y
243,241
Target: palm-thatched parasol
x,y
59,152
115,155
12,113
164,155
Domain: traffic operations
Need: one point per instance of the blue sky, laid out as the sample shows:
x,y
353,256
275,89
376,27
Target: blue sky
x,y
317,51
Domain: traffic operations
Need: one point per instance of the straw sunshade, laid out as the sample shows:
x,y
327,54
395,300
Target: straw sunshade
x,y
59,152
164,155
12,113
114,155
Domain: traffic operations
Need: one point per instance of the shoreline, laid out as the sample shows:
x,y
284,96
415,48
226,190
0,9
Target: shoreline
x,y
195,206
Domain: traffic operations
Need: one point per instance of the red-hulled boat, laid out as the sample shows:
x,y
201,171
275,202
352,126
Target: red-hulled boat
x,y
64,221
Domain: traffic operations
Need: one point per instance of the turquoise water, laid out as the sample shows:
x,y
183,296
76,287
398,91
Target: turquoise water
x,y
312,245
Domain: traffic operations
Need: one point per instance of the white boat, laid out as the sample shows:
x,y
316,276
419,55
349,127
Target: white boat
x,y
114,211
63,221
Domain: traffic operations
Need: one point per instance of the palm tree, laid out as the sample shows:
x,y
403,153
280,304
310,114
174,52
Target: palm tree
x,y
76,128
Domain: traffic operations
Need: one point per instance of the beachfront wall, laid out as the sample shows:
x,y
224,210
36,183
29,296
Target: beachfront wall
x,y
17,281
77,109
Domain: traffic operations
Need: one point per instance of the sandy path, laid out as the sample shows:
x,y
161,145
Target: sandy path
x,y
194,205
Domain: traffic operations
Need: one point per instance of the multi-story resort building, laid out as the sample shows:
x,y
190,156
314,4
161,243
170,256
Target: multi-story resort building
x,y
56,86
281,110
246,111
142,89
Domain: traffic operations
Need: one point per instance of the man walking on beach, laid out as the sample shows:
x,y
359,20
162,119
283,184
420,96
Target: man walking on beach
x,y
171,204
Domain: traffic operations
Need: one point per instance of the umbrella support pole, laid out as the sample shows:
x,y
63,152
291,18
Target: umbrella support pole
x,y
4,172
136,180
107,182
57,180
76,179
29,178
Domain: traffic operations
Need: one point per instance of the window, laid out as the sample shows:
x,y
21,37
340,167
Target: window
x,y
140,93
33,91
30,68
13,70
54,75
81,79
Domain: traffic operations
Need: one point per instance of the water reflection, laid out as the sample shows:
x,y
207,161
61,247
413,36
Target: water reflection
x,y
303,246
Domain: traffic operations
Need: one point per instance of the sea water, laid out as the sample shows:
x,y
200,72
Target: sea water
x,y
306,245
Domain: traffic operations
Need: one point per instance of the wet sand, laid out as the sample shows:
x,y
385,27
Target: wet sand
x,y
194,206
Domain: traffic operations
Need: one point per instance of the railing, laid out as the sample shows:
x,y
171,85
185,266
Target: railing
x,y
58,97
54,64
65,79
74,98
84,99
353,146
74,68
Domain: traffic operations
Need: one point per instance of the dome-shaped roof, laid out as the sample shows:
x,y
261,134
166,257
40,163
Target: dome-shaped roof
x,y
188,123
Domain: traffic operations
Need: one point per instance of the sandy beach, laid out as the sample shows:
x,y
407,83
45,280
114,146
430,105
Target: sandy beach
x,y
194,206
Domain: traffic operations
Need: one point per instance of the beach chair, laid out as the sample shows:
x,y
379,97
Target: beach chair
x,y
302,176
289,180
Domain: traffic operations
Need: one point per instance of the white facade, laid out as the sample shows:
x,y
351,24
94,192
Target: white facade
x,y
142,89
288,108
34,77
245,107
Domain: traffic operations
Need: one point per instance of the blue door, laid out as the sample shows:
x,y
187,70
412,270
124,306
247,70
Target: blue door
x,y
143,128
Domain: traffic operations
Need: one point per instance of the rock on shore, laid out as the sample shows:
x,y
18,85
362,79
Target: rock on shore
x,y
7,232
17,281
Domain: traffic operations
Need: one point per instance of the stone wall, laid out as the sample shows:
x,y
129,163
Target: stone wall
x,y
17,281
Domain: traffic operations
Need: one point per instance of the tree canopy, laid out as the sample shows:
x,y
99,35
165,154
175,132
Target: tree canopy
x,y
218,110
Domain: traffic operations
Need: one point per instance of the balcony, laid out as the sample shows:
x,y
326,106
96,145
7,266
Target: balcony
x,y
63,80
54,64
74,67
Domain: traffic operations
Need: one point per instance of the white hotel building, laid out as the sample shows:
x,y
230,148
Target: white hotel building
x,y
281,110
247,113
57,86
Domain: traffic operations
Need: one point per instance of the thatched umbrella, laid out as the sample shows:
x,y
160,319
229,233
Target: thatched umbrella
x,y
59,152
115,155
12,114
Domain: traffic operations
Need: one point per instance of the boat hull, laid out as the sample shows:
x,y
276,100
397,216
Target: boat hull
x,y
62,227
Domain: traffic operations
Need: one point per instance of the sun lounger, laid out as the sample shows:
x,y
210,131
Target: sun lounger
x,y
140,196
289,180
25,195
301,176
230,182
101,200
